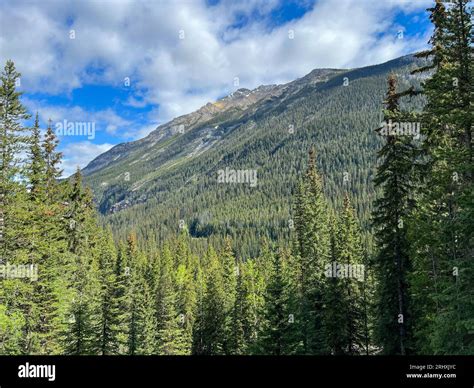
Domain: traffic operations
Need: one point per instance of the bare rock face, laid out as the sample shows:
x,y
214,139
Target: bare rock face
x,y
239,100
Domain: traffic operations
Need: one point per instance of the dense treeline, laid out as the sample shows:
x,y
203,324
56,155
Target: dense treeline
x,y
423,218
166,185
321,292
93,297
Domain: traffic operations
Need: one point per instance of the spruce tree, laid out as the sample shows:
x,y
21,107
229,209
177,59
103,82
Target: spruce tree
x,y
392,213
230,284
344,299
213,317
253,300
14,139
186,288
132,291
335,299
120,296
109,319
142,323
53,160
171,339
146,319
237,335
37,165
442,230
80,335
279,334
313,249
16,296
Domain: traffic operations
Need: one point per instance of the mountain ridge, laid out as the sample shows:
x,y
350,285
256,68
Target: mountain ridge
x,y
171,174
314,76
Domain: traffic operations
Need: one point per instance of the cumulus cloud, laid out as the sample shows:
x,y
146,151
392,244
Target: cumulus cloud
x,y
79,154
141,39
179,55
107,119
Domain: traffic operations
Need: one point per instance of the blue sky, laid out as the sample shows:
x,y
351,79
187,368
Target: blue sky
x,y
129,65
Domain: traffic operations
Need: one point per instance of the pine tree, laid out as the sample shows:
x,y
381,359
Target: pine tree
x,y
238,335
213,317
230,284
109,319
312,244
442,229
171,339
344,302
279,335
391,216
80,335
13,140
37,165
53,160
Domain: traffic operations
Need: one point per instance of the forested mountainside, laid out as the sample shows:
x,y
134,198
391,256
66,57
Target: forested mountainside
x,y
171,176
66,287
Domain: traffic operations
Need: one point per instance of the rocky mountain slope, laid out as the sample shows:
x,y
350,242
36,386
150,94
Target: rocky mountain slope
x,y
170,178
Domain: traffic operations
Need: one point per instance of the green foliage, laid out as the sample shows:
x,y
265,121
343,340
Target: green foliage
x,y
279,330
169,182
442,280
312,248
268,280
345,307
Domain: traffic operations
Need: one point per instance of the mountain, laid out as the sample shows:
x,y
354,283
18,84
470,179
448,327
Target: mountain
x,y
173,177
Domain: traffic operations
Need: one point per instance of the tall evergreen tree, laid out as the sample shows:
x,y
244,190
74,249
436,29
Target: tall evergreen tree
x,y
79,337
14,139
238,335
391,216
186,288
52,160
109,318
132,272
253,299
120,296
442,230
171,338
142,324
279,334
313,249
213,317
344,302
37,165
230,285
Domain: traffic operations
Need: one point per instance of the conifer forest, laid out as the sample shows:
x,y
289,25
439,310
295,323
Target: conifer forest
x,y
332,215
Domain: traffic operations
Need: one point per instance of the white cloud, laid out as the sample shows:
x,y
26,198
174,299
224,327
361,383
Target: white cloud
x,y
141,40
80,154
106,119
